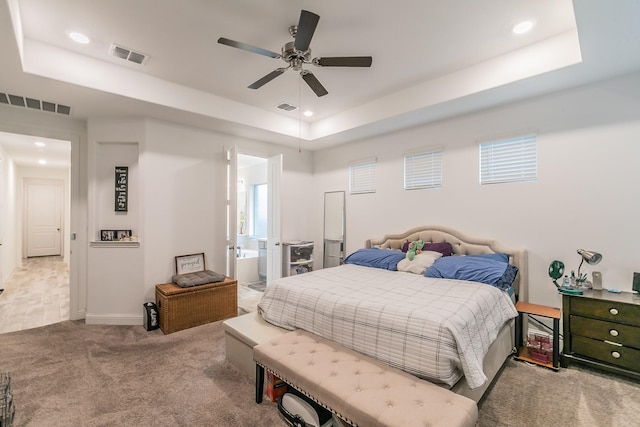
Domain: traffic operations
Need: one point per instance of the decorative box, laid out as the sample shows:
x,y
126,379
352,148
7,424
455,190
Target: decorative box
x,y
182,308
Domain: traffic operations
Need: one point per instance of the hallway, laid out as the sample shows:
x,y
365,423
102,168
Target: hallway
x,y
37,294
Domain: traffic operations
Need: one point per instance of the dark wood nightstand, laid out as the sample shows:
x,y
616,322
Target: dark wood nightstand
x,y
542,311
602,329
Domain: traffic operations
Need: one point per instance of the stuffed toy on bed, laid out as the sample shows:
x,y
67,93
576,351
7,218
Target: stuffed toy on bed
x,y
414,248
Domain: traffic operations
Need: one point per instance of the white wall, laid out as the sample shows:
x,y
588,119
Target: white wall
x,y
586,196
9,236
181,208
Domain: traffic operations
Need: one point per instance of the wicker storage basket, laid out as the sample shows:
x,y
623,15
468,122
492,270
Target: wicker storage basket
x,y
182,308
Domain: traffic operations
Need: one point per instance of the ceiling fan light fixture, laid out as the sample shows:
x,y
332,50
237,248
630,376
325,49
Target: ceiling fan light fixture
x,y
297,53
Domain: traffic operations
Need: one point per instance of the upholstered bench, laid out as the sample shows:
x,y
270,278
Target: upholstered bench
x,y
357,388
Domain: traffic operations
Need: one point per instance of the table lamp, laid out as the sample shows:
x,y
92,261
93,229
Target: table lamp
x,y
591,257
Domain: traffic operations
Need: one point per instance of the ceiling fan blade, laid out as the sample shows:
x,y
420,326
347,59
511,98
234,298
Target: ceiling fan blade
x,y
313,83
248,47
344,61
266,79
306,27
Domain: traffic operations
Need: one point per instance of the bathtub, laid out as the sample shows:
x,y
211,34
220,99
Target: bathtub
x,y
247,267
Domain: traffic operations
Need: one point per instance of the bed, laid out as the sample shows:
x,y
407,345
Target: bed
x,y
455,333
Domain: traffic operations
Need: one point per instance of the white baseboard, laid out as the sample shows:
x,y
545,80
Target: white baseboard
x,y
113,319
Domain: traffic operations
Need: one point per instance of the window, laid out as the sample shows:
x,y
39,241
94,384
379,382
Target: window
x,y
423,169
362,176
509,160
260,211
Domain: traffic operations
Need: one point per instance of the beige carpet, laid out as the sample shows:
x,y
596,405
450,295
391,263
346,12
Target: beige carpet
x,y
71,374
529,395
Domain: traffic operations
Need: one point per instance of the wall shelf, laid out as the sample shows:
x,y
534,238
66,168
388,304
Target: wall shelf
x,y
116,244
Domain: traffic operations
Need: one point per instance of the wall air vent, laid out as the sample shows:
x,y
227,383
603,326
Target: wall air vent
x,y
286,106
128,54
35,104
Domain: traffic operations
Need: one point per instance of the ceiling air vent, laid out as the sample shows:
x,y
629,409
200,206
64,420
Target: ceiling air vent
x,y
286,106
128,54
35,104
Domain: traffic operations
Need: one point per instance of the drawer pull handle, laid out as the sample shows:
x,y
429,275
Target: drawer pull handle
x,y
613,311
614,333
615,354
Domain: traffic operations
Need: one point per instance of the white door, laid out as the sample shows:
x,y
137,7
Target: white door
x,y
44,217
274,248
232,209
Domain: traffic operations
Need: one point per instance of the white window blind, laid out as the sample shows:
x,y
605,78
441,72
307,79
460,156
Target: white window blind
x,y
362,176
423,169
509,160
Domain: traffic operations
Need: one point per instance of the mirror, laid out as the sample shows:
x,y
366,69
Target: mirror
x,y
334,228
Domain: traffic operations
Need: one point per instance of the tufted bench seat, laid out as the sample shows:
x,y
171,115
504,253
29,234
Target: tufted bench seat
x,y
357,388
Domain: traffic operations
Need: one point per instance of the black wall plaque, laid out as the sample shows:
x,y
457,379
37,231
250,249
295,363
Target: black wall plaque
x,y
122,187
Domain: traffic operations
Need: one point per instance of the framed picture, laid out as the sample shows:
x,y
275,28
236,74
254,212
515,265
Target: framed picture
x,y
107,235
189,263
123,234
122,188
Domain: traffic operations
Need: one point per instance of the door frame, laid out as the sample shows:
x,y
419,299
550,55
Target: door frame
x,y
75,131
274,185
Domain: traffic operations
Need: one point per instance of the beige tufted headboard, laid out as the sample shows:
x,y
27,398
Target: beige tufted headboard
x,y
462,245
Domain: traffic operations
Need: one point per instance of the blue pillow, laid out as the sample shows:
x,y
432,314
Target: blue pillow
x,y
474,268
498,256
376,258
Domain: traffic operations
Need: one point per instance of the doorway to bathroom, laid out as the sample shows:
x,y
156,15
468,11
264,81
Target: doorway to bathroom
x,y
254,254
252,215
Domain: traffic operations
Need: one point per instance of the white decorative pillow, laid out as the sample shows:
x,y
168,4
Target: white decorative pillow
x,y
420,263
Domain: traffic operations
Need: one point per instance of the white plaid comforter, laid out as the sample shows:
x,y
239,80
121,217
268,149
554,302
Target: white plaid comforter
x,y
436,329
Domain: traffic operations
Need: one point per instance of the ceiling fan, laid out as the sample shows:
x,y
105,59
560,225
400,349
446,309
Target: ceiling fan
x,y
297,53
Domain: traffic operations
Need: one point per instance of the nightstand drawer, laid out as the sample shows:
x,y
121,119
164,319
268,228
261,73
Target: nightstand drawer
x,y
601,330
624,357
607,310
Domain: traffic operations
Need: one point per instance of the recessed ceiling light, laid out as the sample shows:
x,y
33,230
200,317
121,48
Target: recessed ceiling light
x,y
79,38
42,161
522,27
39,144
308,113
